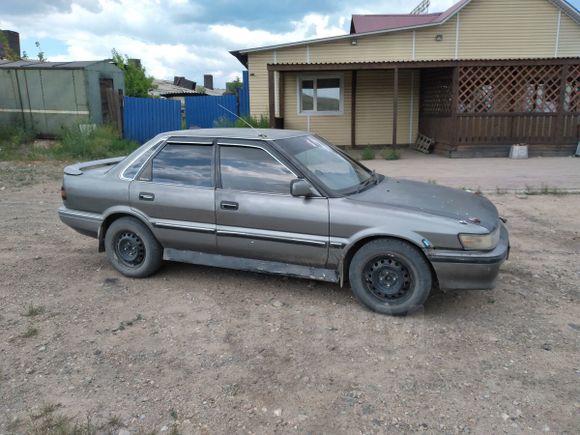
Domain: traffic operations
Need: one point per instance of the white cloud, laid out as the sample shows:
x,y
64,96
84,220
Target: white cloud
x,y
165,35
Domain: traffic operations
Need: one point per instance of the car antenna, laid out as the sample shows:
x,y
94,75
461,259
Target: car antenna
x,y
262,135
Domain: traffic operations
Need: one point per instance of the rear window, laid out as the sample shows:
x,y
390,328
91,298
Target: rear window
x,y
136,166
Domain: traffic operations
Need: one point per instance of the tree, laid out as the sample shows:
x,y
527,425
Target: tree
x,y
40,55
6,49
137,82
234,86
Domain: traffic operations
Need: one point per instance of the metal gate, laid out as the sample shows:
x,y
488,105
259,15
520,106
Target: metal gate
x,y
205,112
144,118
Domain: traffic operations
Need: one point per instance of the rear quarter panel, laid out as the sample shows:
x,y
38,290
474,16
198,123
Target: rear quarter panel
x,y
95,191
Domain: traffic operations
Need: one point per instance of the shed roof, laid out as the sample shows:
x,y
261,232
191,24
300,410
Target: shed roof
x,y
167,88
35,64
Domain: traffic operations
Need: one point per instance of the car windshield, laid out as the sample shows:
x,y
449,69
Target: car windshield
x,y
333,168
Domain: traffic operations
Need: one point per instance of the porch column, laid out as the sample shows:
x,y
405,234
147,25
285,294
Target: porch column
x,y
271,101
454,108
559,134
395,103
353,111
281,94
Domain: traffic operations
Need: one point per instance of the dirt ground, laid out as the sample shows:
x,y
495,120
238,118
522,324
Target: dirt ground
x,y
202,350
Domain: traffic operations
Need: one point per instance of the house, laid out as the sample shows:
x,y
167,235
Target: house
x,y
44,96
478,77
173,89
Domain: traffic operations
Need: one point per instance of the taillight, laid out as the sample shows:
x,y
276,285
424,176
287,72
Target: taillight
x,y
63,193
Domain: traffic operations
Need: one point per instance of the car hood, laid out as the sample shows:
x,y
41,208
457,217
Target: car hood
x,y
433,199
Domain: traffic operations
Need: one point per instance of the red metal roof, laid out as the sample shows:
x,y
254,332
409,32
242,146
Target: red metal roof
x,y
373,23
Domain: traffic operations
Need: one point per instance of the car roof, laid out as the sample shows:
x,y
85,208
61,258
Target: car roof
x,y
238,133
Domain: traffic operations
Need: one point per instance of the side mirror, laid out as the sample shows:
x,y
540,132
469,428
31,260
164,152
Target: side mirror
x,y
301,187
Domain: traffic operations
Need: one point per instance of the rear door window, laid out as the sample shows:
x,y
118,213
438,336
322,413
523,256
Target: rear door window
x,y
183,164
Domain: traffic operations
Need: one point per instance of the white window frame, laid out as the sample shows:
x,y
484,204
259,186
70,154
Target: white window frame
x,y
315,111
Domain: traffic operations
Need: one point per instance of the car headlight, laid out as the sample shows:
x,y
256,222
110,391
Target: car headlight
x,y
480,242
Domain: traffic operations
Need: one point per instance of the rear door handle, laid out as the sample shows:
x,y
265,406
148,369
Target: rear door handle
x,y
229,205
143,196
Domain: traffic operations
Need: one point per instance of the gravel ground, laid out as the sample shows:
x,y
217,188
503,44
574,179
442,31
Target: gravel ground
x,y
202,350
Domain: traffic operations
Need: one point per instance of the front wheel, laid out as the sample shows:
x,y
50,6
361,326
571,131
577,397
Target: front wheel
x,y
390,277
132,249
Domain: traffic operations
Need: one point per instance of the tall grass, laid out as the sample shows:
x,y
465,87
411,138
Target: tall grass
x,y
17,143
96,143
14,138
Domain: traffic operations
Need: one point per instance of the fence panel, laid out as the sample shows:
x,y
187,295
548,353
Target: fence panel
x,y
204,112
245,95
144,118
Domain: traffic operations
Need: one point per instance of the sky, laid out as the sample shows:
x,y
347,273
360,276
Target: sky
x,y
182,37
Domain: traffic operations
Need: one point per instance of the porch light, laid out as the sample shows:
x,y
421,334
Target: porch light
x,y
439,37
353,41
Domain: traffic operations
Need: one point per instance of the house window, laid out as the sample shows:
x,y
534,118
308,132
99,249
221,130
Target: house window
x,y
320,95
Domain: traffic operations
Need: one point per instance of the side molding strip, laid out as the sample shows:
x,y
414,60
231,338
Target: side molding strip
x,y
182,227
271,238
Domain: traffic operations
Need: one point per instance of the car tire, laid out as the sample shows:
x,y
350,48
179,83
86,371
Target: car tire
x,y
132,249
390,277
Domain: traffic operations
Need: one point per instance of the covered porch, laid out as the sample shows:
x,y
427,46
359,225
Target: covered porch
x,y
470,108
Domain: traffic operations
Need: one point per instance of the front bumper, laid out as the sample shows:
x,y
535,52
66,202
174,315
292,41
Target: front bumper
x,y
84,222
470,270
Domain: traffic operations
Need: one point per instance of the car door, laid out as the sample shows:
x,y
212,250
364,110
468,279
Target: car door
x,y
175,189
256,215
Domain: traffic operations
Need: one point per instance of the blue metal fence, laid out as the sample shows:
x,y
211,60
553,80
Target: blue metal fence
x,y
205,112
143,118
245,95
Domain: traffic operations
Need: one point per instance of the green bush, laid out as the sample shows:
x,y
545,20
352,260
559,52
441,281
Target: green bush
x,y
391,154
368,153
100,142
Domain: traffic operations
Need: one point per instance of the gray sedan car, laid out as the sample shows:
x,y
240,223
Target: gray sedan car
x,y
284,202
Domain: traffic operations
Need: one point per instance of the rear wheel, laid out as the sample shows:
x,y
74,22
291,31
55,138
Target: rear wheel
x,y
390,277
132,249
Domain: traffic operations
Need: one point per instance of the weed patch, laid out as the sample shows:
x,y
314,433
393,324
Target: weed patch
x,y
368,153
391,154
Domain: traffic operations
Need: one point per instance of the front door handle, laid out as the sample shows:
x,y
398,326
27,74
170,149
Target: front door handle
x,y
143,196
229,205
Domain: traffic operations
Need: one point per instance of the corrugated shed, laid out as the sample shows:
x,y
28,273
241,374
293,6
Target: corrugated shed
x,y
33,64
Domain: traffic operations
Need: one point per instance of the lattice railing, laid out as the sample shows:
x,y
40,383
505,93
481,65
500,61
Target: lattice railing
x,y
436,91
572,93
504,89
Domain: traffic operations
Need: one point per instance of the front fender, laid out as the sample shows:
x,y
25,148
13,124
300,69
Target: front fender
x,y
349,246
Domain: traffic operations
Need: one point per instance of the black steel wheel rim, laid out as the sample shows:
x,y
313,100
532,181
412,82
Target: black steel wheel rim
x,y
388,278
130,249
